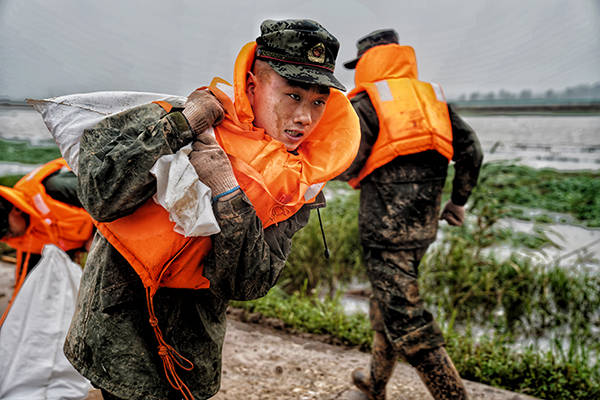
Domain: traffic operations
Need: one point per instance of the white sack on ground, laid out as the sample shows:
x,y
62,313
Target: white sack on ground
x,y
33,365
188,203
188,200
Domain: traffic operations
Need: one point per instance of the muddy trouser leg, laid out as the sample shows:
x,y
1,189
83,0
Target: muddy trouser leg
x,y
383,360
438,373
408,327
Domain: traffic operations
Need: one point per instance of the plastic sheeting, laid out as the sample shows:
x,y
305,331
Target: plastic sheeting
x,y
179,190
32,362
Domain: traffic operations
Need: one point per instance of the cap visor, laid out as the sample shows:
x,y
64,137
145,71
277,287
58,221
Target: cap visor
x,y
351,64
306,74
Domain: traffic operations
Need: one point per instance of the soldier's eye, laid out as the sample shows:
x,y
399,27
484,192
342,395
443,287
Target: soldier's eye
x,y
294,96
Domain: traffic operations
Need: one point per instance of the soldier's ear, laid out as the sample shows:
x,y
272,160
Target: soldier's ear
x,y
250,87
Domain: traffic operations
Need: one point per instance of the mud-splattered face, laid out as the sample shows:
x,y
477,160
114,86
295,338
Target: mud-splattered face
x,y
288,112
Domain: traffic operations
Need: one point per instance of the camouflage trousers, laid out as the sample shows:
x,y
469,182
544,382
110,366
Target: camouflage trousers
x,y
396,308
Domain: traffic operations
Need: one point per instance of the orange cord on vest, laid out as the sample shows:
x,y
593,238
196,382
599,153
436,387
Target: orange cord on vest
x,y
168,354
20,274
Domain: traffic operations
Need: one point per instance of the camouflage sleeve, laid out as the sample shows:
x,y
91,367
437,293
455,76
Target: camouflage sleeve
x,y
246,260
369,130
116,155
62,186
468,158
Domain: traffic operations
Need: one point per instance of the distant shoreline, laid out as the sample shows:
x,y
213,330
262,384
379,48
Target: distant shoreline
x,y
545,109
465,108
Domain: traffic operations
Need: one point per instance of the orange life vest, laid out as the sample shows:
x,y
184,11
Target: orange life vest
x,y
413,115
277,182
50,221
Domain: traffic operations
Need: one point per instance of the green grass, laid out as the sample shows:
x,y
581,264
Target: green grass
x,y
515,187
24,152
307,265
528,371
309,313
9,180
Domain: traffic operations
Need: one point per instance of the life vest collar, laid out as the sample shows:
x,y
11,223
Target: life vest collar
x,y
283,179
321,152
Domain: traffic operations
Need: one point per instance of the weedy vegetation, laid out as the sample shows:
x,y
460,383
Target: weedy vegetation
x,y
509,321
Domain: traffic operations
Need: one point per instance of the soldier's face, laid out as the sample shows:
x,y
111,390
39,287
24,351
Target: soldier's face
x,y
17,223
287,112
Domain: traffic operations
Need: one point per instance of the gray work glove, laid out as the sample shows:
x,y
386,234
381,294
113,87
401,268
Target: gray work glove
x,y
202,110
212,166
453,214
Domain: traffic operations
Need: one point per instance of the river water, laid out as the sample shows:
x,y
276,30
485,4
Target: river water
x,y
560,142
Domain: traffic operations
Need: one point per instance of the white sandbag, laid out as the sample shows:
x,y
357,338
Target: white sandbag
x,y
179,190
188,203
33,365
67,116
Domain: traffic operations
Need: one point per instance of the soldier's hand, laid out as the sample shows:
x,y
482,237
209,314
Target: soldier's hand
x,y
453,214
213,167
203,110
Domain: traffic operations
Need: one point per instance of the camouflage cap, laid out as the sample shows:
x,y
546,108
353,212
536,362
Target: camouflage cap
x,y
375,38
300,50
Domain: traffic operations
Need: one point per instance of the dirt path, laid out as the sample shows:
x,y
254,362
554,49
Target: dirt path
x,y
267,364
261,362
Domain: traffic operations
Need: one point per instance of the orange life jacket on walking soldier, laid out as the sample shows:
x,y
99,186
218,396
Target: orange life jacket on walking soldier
x,y
277,182
50,221
413,115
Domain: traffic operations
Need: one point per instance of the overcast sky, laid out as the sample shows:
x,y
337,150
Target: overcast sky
x,y
55,47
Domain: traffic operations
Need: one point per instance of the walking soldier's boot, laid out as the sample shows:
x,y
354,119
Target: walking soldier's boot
x,y
383,360
438,373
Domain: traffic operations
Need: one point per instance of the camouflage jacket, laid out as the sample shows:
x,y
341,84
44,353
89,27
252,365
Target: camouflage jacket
x,y
110,340
400,201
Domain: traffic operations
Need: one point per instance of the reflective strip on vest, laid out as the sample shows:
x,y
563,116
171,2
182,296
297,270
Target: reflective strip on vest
x,y
385,93
313,190
40,204
439,92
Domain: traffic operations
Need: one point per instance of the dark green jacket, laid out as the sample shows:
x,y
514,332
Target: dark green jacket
x,y
110,340
400,201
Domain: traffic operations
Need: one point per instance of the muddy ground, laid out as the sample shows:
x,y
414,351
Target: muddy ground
x,y
263,361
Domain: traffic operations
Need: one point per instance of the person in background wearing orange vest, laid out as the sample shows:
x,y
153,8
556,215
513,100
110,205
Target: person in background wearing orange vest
x,y
409,135
43,208
280,133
